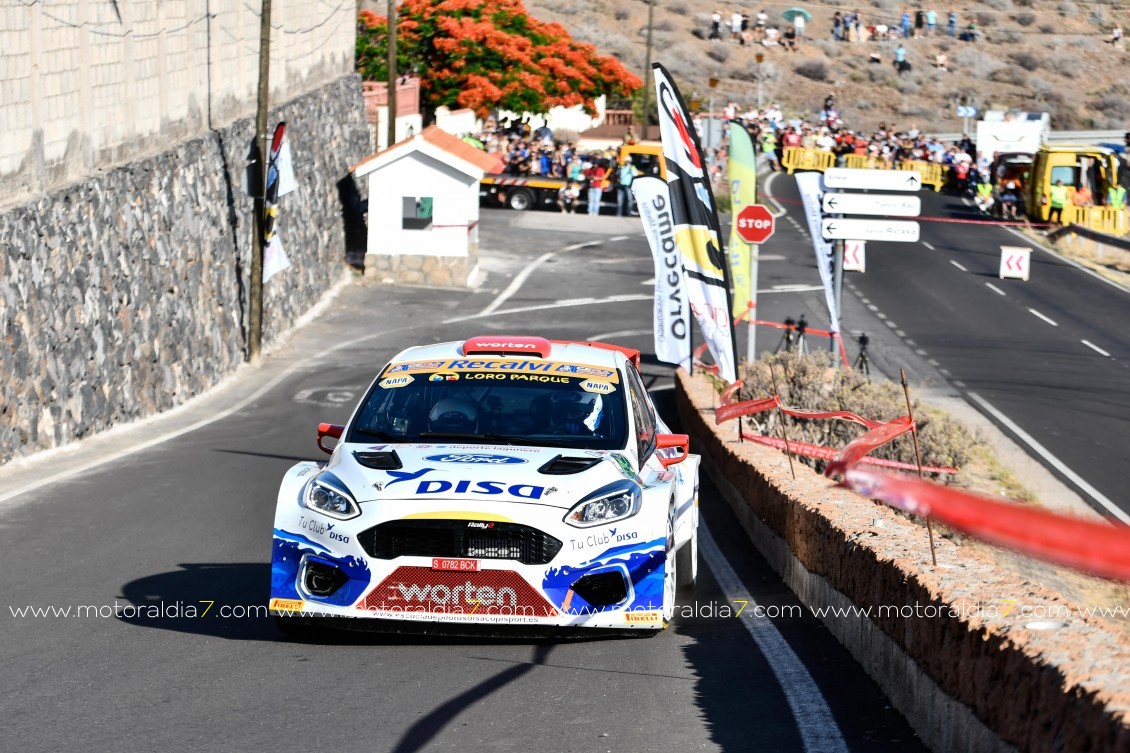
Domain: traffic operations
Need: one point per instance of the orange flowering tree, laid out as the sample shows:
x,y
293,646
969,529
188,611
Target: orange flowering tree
x,y
489,54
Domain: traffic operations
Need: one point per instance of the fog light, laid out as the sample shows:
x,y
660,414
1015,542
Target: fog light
x,y
322,580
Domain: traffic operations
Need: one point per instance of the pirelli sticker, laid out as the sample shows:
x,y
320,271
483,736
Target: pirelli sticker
x,y
287,605
506,366
642,616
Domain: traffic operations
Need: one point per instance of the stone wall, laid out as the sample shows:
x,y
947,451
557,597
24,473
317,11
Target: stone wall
x,y
968,670
125,294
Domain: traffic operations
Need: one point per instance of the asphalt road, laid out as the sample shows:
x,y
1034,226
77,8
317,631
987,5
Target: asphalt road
x,y
188,521
1047,360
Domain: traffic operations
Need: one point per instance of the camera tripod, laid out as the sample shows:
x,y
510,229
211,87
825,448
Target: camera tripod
x,y
862,363
794,335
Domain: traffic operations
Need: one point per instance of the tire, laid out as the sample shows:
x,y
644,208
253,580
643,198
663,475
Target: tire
x,y
671,569
520,199
687,568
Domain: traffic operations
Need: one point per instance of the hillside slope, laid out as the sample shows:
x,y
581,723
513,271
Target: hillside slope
x,y
1034,55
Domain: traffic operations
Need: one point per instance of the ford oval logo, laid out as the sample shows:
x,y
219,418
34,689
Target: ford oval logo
x,y
472,458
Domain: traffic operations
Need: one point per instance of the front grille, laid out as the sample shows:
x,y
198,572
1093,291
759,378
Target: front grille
x,y
459,538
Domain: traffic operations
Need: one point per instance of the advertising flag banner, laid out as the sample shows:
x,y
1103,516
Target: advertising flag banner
x,y
695,218
810,195
672,313
743,191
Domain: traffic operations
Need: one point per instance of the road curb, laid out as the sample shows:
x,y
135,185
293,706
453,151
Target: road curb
x,y
977,680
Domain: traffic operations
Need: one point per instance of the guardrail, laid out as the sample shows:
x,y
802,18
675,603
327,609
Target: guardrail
x,y
797,158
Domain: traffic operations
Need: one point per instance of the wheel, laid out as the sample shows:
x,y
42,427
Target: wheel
x,y
519,200
671,568
687,568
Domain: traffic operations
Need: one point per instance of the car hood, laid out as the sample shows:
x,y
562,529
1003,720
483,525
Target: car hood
x,y
553,476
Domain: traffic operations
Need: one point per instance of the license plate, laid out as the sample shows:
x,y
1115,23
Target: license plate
x,y
460,565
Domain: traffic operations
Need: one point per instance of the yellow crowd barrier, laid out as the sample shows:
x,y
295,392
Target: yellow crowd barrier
x,y
865,162
932,173
1100,219
797,158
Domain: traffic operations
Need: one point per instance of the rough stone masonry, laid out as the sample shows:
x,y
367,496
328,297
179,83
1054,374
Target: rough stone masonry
x,y
126,294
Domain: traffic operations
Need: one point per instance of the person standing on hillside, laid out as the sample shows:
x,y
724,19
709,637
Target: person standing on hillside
x,y
906,24
919,23
951,25
716,26
799,24
837,27
931,22
736,26
900,59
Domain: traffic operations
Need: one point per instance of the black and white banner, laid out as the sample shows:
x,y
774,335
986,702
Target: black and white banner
x,y
695,218
672,313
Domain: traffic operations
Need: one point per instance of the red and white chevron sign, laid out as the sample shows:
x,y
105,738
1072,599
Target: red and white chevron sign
x,y
855,256
1016,262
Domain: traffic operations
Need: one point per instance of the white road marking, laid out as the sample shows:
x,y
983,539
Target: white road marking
x,y
1056,463
767,191
865,301
648,281
619,238
927,245
1046,319
620,259
994,288
881,315
791,288
1096,348
889,323
911,343
932,362
963,269
920,352
619,333
872,307
556,304
958,383
900,333
814,720
521,277
770,257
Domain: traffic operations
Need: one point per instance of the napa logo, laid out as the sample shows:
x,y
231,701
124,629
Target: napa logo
x,y
474,458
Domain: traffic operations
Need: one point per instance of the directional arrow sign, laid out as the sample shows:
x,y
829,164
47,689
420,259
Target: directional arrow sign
x,y
1015,262
880,180
871,230
885,204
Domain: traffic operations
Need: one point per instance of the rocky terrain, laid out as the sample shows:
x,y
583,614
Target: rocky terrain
x,y
1033,55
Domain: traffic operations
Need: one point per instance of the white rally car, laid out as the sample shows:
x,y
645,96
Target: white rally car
x,y
500,480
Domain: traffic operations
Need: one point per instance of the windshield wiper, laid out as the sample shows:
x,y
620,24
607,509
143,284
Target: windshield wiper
x,y
378,434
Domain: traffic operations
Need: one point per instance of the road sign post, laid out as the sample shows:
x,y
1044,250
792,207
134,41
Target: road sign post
x,y
855,256
1016,262
875,180
897,231
755,223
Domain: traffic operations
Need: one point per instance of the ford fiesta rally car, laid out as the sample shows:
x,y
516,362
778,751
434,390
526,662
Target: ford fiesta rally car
x,y
501,480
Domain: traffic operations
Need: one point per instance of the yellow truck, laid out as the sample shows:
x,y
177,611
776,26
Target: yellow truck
x,y
1095,167
522,192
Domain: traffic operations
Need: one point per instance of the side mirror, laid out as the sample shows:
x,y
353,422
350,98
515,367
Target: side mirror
x,y
328,430
672,448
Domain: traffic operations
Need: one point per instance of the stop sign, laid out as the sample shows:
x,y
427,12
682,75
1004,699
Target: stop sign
x,y
755,224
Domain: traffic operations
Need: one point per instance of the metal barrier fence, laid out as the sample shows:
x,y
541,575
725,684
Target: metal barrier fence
x,y
797,158
932,173
1100,219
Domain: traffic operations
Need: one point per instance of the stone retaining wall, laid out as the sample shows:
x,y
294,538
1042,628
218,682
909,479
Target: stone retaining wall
x,y
125,294
962,662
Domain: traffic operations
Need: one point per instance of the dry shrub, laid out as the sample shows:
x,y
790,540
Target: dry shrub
x,y
1026,19
1009,75
718,53
815,382
812,68
1027,60
679,9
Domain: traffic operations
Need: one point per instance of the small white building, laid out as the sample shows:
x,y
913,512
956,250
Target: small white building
x,y
424,209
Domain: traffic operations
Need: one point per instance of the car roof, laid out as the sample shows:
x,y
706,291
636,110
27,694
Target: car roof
x,y
570,352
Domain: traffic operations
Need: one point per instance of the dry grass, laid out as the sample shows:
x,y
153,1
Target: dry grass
x,y
1061,40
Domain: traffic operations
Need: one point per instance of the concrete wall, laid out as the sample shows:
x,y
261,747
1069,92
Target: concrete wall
x,y
88,84
969,672
125,293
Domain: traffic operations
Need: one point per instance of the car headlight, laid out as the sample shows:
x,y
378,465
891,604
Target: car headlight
x,y
614,502
328,495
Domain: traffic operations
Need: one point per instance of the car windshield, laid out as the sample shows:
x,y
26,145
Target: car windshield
x,y
496,401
